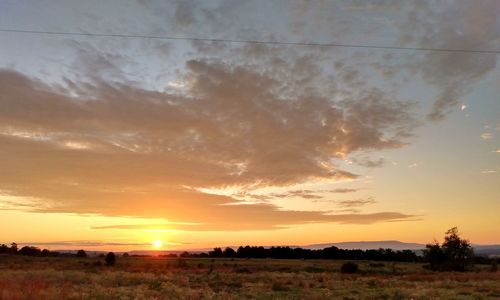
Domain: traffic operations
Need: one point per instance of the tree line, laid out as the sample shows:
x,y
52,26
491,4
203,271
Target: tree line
x,y
253,252
27,250
301,253
454,253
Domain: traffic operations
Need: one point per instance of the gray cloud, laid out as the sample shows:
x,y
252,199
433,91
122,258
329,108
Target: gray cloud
x,y
304,194
369,163
350,205
454,25
342,190
356,202
184,13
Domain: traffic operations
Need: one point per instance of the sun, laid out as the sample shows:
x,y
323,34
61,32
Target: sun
x,y
157,244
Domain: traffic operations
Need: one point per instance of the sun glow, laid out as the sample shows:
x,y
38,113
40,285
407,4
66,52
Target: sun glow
x,y
157,244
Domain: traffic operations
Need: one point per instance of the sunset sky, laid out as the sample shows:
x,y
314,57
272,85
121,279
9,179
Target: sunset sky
x,y
118,142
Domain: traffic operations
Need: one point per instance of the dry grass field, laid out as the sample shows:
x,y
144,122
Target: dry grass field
x,y
171,278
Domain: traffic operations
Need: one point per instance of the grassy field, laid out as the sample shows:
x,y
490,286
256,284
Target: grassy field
x,y
170,278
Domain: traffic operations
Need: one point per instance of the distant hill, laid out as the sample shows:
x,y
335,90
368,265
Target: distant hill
x,y
487,250
366,245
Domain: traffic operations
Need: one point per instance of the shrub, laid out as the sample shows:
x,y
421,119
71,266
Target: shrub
x,y
494,265
349,268
377,265
279,287
110,259
81,253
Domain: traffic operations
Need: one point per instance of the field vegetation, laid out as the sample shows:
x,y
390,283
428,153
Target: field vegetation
x,y
445,271
25,277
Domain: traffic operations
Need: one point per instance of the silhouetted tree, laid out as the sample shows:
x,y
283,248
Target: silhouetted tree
x,y
4,248
13,248
433,254
229,252
455,254
30,251
458,252
217,252
110,259
81,253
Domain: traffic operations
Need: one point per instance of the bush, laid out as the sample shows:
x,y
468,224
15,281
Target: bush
x,y
279,287
349,268
81,253
377,265
30,251
110,259
494,265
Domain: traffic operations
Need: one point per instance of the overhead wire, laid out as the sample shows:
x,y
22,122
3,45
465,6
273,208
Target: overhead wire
x,y
242,41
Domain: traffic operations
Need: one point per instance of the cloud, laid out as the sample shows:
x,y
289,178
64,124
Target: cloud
x,y
369,163
343,190
488,172
304,194
98,147
413,165
83,243
355,202
349,205
421,24
351,218
453,25
486,135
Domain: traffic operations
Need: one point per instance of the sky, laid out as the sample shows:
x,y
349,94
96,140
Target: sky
x,y
118,142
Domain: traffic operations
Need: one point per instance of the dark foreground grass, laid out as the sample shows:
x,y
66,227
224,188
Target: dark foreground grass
x,y
170,278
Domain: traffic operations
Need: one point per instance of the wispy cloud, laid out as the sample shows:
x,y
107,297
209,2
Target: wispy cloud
x,y
486,135
370,163
488,172
356,202
294,218
413,165
83,243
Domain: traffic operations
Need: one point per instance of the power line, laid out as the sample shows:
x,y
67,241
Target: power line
x,y
234,41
